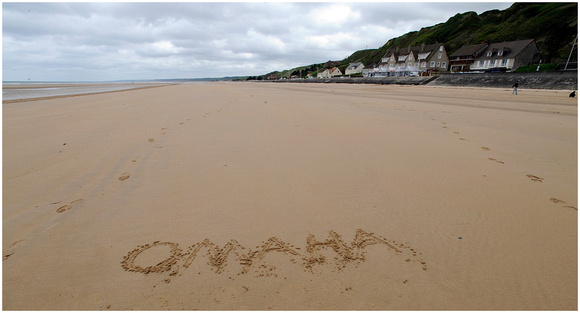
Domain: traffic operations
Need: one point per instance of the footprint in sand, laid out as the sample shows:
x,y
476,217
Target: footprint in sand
x,y
485,149
12,249
496,160
558,201
463,139
456,132
151,140
68,206
534,178
125,176
5,256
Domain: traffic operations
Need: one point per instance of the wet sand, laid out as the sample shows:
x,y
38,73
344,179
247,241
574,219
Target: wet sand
x,y
12,93
258,196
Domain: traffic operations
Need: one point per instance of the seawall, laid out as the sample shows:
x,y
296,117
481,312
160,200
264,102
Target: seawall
x,y
535,80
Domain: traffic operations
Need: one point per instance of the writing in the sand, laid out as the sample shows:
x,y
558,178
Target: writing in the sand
x,y
179,260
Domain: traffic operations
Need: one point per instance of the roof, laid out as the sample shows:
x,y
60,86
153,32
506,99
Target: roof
x,y
509,48
354,65
414,49
468,50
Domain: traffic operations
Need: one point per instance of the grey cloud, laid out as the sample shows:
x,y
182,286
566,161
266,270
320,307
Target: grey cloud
x,y
91,41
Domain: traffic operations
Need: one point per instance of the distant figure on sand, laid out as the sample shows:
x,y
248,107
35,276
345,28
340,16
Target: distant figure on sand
x,y
515,87
573,94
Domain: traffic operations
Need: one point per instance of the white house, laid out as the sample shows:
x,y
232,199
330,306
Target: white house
x,y
323,74
507,55
369,70
334,72
354,68
416,60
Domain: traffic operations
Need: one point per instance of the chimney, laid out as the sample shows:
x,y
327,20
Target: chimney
x,y
422,47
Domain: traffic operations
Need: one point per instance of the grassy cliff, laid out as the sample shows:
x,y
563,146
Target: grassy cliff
x,y
553,25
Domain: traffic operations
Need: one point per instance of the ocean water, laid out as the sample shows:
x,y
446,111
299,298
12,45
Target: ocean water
x,y
26,90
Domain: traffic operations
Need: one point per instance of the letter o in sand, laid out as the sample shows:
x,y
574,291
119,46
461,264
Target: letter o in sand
x,y
128,262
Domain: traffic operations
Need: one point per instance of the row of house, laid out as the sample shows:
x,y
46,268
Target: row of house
x,y
428,59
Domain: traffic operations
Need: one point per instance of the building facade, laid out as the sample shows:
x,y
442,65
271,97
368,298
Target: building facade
x,y
506,56
335,71
323,74
461,60
414,61
354,68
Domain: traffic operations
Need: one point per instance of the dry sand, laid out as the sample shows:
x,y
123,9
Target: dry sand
x,y
291,196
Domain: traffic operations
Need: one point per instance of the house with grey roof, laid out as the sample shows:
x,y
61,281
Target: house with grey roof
x,y
323,74
354,68
461,60
507,55
416,60
370,70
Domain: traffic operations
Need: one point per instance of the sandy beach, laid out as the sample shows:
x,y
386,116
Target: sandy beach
x,y
264,196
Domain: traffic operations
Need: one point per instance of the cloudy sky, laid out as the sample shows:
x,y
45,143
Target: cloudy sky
x,y
104,41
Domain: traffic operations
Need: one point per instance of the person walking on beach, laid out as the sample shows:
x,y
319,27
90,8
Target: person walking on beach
x,y
515,87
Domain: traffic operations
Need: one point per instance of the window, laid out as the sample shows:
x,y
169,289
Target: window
x,y
492,63
504,62
439,57
489,53
500,53
423,56
481,63
438,64
443,65
424,64
441,48
432,63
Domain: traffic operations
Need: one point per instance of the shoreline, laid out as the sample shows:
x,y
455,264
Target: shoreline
x,y
71,90
318,81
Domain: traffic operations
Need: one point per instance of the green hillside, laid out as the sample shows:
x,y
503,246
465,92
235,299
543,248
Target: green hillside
x,y
553,25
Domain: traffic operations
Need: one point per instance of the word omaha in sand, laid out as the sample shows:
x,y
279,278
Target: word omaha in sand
x,y
179,260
